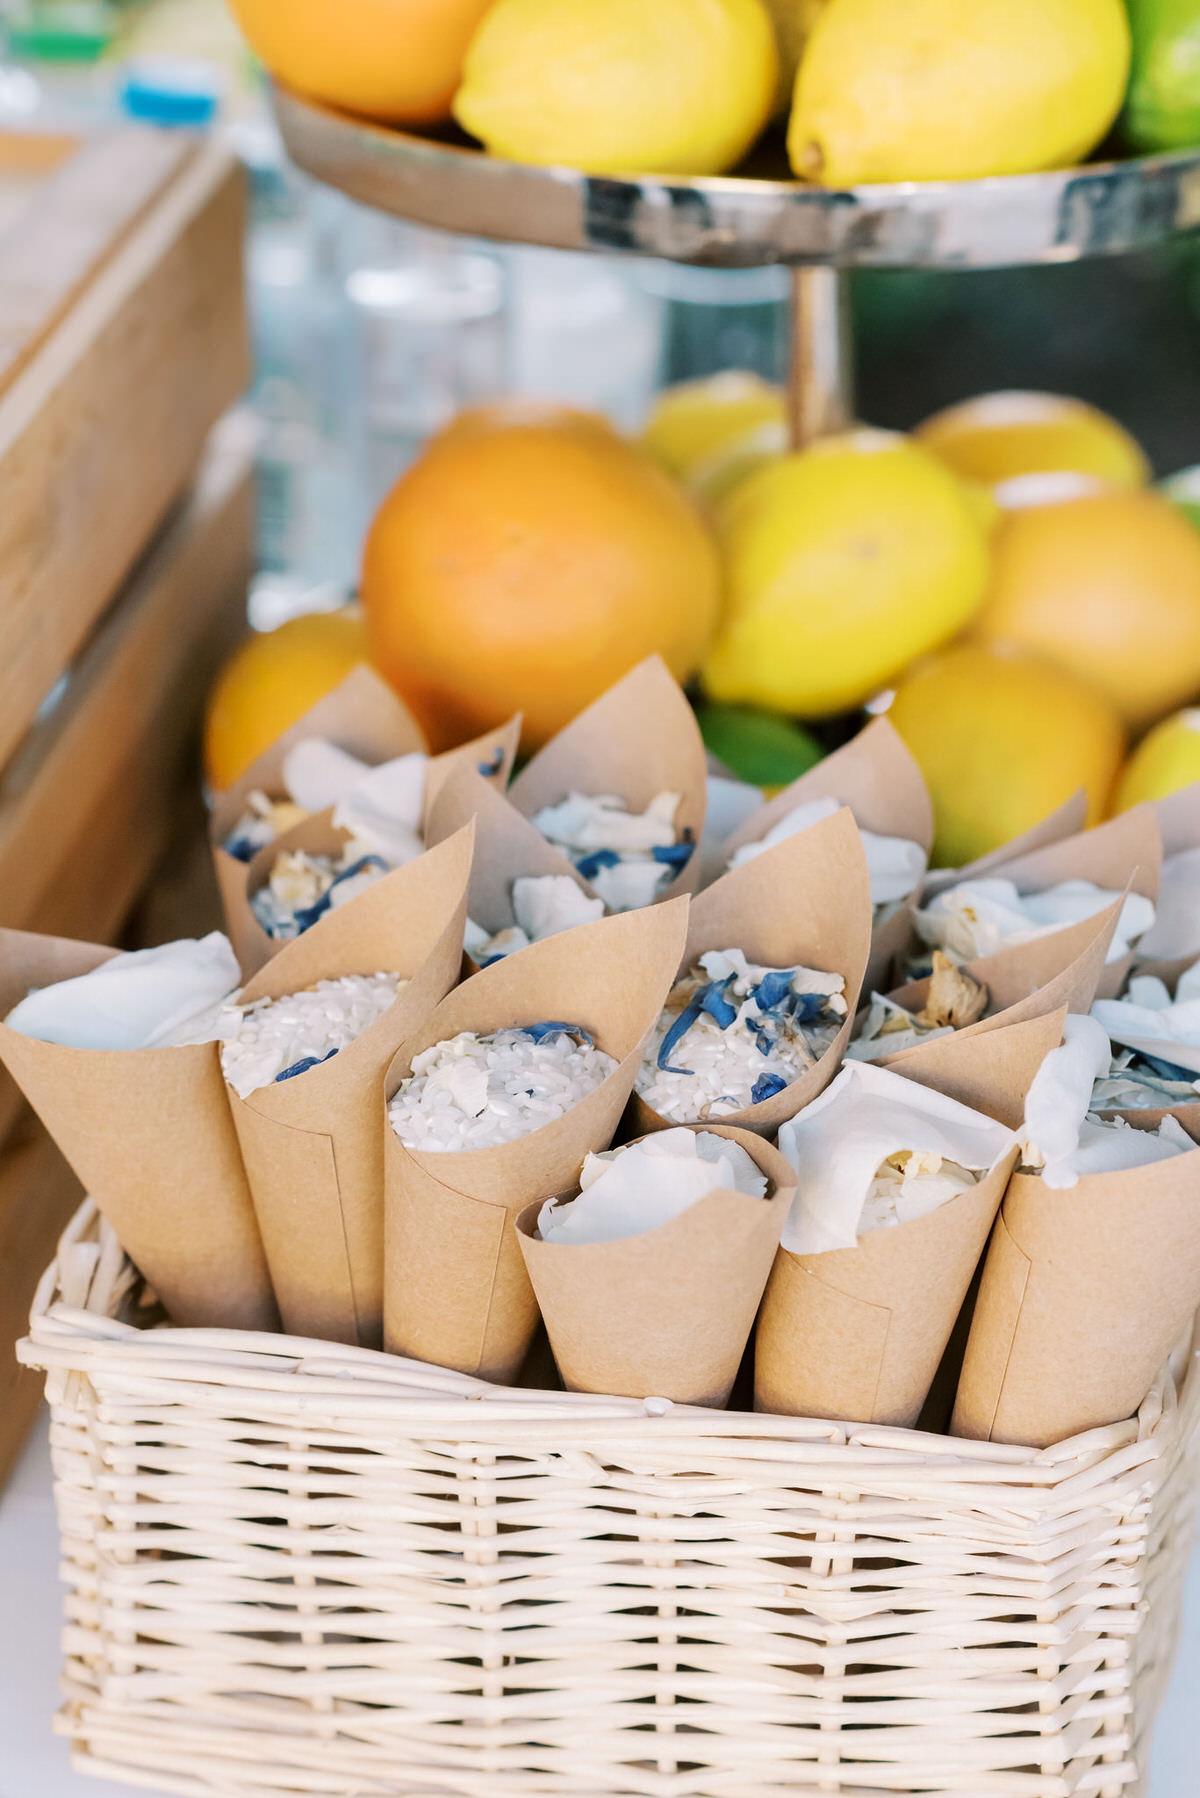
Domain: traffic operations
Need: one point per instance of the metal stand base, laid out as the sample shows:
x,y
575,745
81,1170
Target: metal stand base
x,y
821,366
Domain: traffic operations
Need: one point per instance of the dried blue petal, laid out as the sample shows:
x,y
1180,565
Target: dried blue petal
x,y
1167,1070
488,769
591,864
765,1087
540,1033
713,1001
674,855
241,849
302,1067
308,915
774,988
811,1008
676,1034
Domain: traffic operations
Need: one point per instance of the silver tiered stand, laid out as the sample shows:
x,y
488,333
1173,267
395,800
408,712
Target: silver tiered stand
x,y
756,218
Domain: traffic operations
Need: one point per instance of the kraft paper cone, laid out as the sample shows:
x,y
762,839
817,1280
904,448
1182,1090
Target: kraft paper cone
x,y
149,1134
666,1314
1123,855
507,846
1085,1293
875,776
858,1334
1053,974
457,1293
312,1146
1067,820
805,903
637,740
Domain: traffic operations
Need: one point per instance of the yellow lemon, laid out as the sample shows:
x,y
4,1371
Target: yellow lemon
x,y
271,681
1003,437
844,563
1002,738
937,90
711,433
673,87
1108,586
1163,762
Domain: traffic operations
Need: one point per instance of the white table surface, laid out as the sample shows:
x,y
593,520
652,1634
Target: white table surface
x,y
34,1762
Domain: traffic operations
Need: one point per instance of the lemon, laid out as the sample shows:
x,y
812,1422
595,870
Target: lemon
x,y
1107,586
1162,111
759,747
1001,437
843,563
271,681
941,90
1163,762
710,433
1002,739
666,86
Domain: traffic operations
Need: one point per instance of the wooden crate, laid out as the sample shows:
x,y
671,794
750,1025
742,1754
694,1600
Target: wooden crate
x,y
123,340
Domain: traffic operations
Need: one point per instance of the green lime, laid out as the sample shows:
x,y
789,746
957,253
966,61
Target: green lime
x,y
1162,109
758,747
1183,491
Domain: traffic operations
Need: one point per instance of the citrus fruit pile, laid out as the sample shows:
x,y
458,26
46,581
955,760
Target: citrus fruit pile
x,y
869,90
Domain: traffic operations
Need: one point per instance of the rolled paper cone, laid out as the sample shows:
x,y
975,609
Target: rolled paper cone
x,y
457,1293
1067,820
507,846
990,1072
490,756
315,835
1085,1293
1060,968
1123,855
858,1334
149,1134
804,903
637,740
312,1145
666,1314
875,776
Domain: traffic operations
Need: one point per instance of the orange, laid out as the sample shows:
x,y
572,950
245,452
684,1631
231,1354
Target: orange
x,y
271,681
526,561
1003,738
1108,586
399,60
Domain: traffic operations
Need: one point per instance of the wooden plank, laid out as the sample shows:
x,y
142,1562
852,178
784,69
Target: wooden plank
x,y
84,213
38,1194
103,428
88,807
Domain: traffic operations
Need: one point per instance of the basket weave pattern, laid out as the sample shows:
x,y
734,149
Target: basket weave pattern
x,y
294,1568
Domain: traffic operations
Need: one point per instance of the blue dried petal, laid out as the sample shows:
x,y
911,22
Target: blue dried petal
x,y
774,988
302,1067
591,864
488,769
676,1034
765,1087
811,1008
1167,1070
540,1033
674,855
241,849
713,1001
306,918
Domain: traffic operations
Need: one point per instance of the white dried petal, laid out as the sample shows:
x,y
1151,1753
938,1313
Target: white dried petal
x,y
478,1092
265,1039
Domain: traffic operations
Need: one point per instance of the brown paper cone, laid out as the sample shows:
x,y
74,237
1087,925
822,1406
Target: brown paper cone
x,y
1067,820
667,1314
991,1071
805,903
637,740
1124,854
857,1334
1085,1293
878,779
507,846
149,1134
312,1146
457,1293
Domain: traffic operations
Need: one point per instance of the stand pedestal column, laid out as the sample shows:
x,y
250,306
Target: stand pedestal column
x,y
821,368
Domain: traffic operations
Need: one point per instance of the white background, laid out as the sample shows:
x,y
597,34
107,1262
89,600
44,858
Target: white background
x,y
34,1763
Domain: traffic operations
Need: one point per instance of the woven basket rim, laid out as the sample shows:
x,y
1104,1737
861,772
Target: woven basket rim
x,y
67,1338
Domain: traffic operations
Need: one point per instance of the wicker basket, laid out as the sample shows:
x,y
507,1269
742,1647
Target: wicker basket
x,y
300,1569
